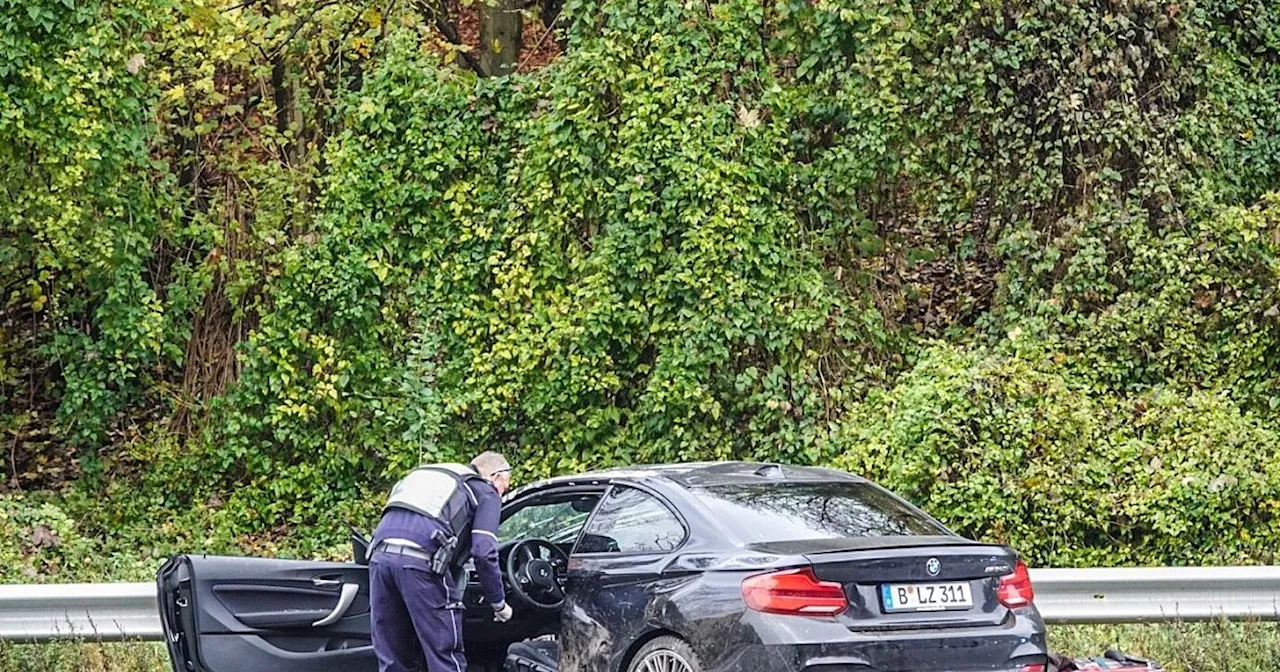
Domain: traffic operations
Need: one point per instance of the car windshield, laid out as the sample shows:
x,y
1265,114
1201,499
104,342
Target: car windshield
x,y
781,511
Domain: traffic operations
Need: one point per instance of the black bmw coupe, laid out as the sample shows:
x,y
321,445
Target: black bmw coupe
x,y
716,567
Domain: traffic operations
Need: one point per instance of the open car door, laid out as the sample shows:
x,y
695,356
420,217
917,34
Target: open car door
x,y
223,614
226,614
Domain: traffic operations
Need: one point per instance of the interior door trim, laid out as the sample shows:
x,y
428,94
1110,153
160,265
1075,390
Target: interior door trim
x,y
348,596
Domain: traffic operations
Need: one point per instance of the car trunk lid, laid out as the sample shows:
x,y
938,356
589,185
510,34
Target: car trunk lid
x,y
942,581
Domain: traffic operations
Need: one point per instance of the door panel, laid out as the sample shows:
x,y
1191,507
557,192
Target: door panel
x,y
620,578
607,608
225,614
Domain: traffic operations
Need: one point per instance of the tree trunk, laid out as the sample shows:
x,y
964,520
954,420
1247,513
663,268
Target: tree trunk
x,y
500,37
287,113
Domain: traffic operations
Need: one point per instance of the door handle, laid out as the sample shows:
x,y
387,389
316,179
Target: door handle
x,y
319,582
345,599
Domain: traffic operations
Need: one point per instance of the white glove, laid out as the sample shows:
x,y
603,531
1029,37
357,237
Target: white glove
x,y
502,614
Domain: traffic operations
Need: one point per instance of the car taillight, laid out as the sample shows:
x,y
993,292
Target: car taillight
x,y
794,591
1015,590
1037,667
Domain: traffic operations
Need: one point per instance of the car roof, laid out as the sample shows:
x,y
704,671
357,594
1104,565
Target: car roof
x,y
699,474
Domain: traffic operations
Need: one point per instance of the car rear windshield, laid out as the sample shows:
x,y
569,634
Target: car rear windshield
x,y
776,512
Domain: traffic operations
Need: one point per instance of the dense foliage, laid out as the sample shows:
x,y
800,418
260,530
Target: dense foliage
x,y
1017,259
82,206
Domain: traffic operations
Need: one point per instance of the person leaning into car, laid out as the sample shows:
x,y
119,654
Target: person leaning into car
x,y
435,517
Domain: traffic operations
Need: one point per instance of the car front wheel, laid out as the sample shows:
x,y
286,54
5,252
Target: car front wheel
x,y
665,654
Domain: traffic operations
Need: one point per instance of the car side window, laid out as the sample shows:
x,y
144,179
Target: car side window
x,y
631,521
555,521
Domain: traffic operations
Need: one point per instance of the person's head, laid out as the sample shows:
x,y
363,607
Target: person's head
x,y
493,467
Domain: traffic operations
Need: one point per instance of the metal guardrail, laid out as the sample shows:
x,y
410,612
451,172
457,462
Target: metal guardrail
x,y
1160,594
90,612
128,611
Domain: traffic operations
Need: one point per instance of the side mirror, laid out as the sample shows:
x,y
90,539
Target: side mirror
x,y
359,547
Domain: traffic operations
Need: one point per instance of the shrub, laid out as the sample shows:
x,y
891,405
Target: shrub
x,y
1014,448
42,543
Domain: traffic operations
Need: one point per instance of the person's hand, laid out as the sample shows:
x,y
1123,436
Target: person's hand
x,y
502,613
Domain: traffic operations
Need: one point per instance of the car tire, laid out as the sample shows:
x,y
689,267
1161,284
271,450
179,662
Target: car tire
x,y
665,649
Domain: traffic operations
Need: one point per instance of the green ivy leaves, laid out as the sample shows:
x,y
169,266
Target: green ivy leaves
x,y
985,251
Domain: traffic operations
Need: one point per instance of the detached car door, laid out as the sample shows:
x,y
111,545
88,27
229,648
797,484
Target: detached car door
x,y
223,614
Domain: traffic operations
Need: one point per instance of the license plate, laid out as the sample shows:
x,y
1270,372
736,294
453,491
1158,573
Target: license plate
x,y
926,596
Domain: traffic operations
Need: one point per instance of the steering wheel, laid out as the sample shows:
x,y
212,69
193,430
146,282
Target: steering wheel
x,y
536,568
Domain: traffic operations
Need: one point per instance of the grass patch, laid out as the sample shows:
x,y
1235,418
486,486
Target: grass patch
x,y
76,657
1182,647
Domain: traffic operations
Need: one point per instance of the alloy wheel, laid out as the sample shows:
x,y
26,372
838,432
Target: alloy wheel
x,y
665,660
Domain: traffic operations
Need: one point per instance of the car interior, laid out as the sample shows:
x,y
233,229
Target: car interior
x,y
536,538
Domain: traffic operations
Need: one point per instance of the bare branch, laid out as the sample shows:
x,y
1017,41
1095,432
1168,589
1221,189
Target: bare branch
x,y
548,30
437,15
242,5
302,22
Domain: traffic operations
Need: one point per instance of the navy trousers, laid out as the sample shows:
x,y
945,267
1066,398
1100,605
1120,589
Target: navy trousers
x,y
415,613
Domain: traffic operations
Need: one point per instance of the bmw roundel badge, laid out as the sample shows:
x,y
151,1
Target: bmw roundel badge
x,y
933,566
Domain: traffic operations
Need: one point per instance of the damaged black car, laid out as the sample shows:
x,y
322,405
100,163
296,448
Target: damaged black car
x,y
715,567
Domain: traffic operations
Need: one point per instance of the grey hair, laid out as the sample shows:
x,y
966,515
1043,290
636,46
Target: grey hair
x,y
490,463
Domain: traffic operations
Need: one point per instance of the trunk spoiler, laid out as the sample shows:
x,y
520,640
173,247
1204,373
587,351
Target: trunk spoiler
x,y
820,546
